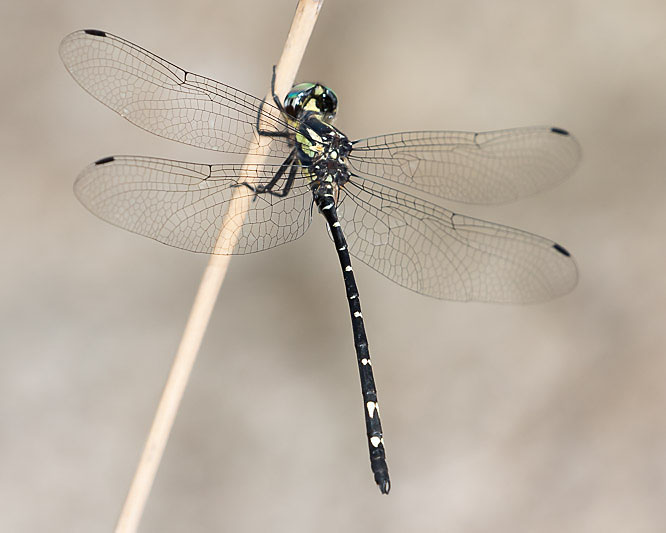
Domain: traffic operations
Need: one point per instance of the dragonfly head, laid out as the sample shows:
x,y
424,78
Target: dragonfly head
x,y
313,97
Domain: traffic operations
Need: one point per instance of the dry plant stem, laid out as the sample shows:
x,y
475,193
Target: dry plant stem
x,y
211,282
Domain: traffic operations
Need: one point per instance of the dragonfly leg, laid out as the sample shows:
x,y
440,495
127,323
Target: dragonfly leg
x,y
268,188
269,133
275,96
287,185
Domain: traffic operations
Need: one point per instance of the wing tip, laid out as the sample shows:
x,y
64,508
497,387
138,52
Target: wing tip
x,y
562,250
560,131
105,160
96,33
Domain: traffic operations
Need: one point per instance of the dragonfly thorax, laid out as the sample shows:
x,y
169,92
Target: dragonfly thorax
x,y
317,138
325,170
323,149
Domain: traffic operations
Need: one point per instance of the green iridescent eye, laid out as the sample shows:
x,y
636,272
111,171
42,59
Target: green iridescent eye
x,y
300,88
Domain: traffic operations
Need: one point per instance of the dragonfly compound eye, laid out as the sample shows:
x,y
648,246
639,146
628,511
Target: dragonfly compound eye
x,y
327,102
312,97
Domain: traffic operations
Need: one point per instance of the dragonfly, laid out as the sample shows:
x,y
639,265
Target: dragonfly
x,y
375,194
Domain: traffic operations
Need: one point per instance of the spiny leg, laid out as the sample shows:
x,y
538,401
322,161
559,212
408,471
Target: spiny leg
x,y
275,96
288,184
373,425
268,133
261,189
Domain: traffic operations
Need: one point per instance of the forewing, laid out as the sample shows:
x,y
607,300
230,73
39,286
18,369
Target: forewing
x,y
439,253
186,204
166,100
481,168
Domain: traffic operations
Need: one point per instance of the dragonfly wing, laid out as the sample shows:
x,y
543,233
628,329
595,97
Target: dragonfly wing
x,y
481,168
439,253
186,204
166,100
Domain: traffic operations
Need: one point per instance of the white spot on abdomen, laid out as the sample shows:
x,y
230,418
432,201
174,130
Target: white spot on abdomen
x,y
372,406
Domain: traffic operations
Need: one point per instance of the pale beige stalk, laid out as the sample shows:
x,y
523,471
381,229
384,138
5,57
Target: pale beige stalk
x,y
287,67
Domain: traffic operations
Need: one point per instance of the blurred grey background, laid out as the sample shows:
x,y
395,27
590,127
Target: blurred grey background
x,y
543,418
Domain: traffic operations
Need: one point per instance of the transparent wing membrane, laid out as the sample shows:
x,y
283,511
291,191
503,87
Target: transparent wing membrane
x,y
185,204
481,168
166,100
417,244
439,253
